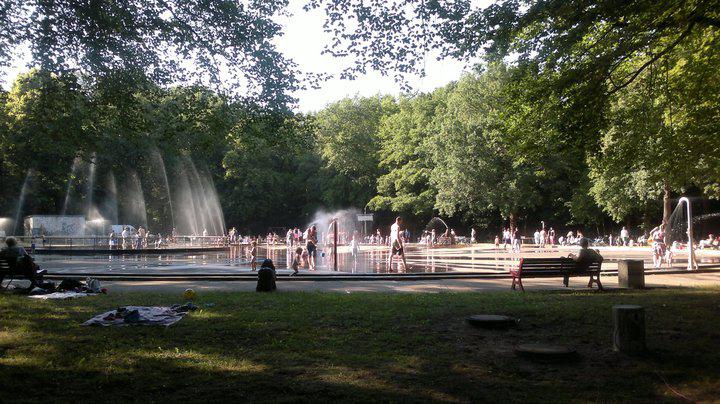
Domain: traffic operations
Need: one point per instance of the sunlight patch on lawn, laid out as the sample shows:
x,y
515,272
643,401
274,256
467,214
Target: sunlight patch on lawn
x,y
202,361
381,381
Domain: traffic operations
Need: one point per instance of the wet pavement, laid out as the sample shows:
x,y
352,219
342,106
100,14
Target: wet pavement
x,y
475,259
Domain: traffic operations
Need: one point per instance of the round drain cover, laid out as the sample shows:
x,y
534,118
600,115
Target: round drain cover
x,y
544,352
491,321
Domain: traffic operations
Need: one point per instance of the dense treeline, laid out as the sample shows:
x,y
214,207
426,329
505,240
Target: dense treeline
x,y
583,113
485,150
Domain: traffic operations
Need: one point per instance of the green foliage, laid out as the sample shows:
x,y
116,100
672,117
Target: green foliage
x,y
662,133
348,142
587,41
405,155
158,39
495,149
46,118
595,63
607,108
270,171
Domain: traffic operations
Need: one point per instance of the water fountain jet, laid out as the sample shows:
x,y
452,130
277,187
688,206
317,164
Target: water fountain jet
x,y
21,200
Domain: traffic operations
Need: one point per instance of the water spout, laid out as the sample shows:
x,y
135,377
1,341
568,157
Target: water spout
x,y
133,201
90,186
71,181
163,172
21,201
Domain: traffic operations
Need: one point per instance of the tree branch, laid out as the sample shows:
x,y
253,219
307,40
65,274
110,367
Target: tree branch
x,y
706,20
654,58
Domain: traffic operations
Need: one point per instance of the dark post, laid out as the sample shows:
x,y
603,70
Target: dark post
x,y
629,329
335,243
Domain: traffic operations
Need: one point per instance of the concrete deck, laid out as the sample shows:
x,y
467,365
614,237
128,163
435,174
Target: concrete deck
x,y
432,286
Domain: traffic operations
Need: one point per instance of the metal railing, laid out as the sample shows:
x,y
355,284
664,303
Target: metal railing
x,y
127,243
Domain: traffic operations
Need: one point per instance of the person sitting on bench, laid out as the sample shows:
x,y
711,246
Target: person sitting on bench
x,y
25,265
585,257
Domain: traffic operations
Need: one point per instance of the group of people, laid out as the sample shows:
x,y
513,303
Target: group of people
x,y
302,248
431,238
378,239
661,252
512,237
543,237
130,238
133,239
711,242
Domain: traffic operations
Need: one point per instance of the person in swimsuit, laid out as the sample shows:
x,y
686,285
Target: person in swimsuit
x,y
253,255
397,247
658,246
311,246
297,258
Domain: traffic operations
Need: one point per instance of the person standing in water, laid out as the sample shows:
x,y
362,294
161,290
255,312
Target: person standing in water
x,y
142,233
396,243
253,255
296,261
311,246
354,247
112,239
125,236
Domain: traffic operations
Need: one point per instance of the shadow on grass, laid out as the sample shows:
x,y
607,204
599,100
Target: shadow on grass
x,y
358,347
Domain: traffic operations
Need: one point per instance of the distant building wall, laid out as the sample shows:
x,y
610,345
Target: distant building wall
x,y
55,225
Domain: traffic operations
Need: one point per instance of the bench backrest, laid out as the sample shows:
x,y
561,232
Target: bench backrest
x,y
7,265
552,264
546,264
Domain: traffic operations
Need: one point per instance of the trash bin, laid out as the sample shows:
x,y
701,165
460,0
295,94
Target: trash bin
x,y
631,274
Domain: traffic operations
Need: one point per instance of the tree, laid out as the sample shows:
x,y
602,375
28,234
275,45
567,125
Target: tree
x,y
663,134
478,167
228,42
586,40
271,172
47,123
406,188
348,142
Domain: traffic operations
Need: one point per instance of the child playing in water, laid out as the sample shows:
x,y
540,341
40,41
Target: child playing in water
x,y
304,257
354,248
297,257
253,255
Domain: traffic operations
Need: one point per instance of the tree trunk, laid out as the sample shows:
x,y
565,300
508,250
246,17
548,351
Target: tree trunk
x,y
667,208
629,329
513,221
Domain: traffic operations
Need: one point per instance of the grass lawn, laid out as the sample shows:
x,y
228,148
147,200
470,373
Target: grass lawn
x,y
359,347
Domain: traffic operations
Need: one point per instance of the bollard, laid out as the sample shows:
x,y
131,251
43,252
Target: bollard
x,y
629,329
631,274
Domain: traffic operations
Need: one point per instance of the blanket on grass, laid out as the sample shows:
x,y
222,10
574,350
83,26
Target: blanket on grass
x,y
61,295
141,315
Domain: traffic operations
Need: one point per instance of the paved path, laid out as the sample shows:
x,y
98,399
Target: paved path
x,y
444,285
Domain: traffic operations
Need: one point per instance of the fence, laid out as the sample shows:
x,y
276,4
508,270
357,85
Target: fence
x,y
105,243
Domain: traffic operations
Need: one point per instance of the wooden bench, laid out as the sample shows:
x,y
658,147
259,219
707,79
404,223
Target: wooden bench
x,y
553,266
8,268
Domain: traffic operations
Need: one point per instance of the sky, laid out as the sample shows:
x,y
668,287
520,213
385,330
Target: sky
x,y
303,41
